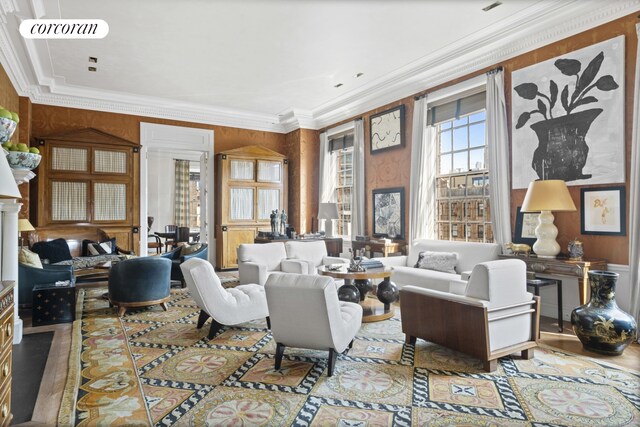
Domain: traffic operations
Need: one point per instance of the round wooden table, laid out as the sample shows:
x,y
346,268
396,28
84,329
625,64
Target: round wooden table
x,y
373,310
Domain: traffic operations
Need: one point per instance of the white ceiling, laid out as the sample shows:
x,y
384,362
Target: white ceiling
x,y
273,64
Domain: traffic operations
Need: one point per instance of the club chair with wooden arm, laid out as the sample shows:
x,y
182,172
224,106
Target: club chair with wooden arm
x,y
490,316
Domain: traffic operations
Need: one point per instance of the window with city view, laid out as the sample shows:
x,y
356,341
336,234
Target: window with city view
x,y
342,146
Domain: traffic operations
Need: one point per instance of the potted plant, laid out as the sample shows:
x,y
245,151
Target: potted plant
x,y
562,151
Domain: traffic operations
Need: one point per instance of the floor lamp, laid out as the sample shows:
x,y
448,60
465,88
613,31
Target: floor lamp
x,y
544,197
328,212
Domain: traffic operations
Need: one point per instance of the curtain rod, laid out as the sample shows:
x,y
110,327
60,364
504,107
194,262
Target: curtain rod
x,y
494,70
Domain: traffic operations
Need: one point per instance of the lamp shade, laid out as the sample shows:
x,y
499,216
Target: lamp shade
x,y
8,186
328,211
550,195
24,225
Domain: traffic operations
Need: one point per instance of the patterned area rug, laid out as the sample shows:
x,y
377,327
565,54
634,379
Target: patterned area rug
x,y
155,367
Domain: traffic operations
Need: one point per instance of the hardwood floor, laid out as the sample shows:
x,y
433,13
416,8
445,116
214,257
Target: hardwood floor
x,y
55,374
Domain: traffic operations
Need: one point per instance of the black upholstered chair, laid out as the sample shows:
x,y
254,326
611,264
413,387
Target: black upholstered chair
x,y
140,282
177,258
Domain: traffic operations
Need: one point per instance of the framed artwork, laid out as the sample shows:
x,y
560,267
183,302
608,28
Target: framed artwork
x,y
388,213
602,211
568,117
387,129
526,223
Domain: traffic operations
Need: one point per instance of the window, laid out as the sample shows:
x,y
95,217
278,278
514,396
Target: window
x,y
342,146
462,198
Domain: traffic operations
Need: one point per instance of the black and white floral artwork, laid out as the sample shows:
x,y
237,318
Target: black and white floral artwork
x,y
388,213
568,117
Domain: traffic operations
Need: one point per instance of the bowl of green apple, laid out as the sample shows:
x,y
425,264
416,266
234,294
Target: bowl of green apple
x,y
20,156
8,124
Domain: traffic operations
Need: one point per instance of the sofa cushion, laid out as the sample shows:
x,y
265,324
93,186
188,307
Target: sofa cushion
x,y
437,280
54,250
469,253
313,252
26,257
438,261
188,249
92,248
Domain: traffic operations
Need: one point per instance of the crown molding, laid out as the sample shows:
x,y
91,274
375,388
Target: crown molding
x,y
27,62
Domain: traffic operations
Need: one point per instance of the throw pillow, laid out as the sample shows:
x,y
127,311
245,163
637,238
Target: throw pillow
x,y
438,261
54,250
189,249
26,257
107,247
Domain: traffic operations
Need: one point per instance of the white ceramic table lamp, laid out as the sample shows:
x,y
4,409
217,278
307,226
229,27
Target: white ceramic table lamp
x,y
545,197
328,212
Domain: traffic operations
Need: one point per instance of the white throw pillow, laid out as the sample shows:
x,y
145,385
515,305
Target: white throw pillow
x,y
438,261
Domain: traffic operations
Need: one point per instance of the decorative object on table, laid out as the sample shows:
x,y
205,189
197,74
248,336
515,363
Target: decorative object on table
x,y
526,223
23,225
387,129
388,213
354,264
602,211
24,159
575,249
8,124
519,248
600,324
283,223
387,291
544,197
328,212
569,138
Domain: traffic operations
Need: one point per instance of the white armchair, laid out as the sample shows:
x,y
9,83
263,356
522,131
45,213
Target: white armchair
x,y
305,312
256,261
225,306
490,316
313,254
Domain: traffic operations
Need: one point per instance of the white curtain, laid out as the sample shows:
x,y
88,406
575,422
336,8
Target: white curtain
x,y
498,158
357,194
634,196
181,194
422,201
327,175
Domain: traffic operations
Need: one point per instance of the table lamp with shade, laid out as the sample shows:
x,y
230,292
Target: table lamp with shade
x,y
24,225
328,212
545,197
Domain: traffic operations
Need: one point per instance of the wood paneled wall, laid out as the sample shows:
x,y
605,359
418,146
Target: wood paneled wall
x,y
392,168
304,149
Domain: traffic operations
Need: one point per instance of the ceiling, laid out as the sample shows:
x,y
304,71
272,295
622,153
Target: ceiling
x,y
274,64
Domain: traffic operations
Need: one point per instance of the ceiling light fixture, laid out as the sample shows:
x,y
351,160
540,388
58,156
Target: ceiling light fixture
x,y
358,75
491,6
338,85
93,59
93,69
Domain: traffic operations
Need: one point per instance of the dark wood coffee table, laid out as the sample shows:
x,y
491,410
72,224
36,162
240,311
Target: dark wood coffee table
x,y
373,310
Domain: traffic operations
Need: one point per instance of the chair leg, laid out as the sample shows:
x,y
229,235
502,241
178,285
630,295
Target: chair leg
x,y
409,339
279,354
202,318
268,323
490,365
527,354
351,343
121,310
215,327
333,356
164,306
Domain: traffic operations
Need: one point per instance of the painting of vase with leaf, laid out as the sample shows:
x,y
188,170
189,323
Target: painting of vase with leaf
x,y
568,117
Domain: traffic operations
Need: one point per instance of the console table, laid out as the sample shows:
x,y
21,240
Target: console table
x,y
334,244
564,267
384,248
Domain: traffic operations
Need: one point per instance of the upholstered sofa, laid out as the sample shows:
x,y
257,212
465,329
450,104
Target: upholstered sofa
x,y
469,254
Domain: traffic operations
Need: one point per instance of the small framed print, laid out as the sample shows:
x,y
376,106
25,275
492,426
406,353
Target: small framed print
x,y
526,223
603,211
387,129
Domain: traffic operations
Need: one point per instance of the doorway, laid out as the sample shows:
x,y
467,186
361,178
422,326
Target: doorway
x,y
161,146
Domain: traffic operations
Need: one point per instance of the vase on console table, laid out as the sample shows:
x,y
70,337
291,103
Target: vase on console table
x,y
600,324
